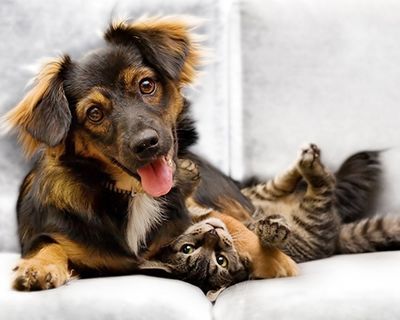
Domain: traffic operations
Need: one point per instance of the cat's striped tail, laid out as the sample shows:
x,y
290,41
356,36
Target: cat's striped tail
x,y
379,233
358,182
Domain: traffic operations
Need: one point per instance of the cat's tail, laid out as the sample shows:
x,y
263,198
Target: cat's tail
x,y
358,181
379,233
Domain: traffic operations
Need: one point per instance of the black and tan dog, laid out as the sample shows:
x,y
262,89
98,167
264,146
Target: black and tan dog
x,y
105,131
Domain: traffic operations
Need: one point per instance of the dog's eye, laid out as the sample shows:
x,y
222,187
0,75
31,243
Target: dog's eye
x,y
147,86
222,261
187,248
95,114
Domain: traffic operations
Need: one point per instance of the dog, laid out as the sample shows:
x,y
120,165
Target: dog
x,y
105,131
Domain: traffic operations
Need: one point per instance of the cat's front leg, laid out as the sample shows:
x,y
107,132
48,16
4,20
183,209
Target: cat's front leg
x,y
188,176
273,231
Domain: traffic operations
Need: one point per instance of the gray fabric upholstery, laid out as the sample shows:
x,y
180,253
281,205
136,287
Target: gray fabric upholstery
x,y
363,286
131,297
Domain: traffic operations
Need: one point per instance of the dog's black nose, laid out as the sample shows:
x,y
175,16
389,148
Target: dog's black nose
x,y
145,143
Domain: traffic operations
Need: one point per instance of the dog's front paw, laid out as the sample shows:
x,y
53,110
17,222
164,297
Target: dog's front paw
x,y
309,155
273,231
33,274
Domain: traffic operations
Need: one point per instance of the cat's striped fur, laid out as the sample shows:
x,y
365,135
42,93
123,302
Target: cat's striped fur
x,y
378,233
304,204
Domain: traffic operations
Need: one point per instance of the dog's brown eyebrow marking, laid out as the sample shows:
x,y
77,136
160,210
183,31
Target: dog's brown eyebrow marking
x,y
97,96
131,75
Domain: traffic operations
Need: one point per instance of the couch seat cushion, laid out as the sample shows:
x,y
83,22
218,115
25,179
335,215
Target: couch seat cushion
x,y
128,297
363,286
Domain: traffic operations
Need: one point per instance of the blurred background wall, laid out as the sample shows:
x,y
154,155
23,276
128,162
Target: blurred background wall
x,y
326,72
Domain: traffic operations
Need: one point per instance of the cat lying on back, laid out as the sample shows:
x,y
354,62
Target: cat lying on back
x,y
218,250
298,212
304,202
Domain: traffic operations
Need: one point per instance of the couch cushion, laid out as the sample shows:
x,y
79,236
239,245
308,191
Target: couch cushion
x,y
363,286
128,297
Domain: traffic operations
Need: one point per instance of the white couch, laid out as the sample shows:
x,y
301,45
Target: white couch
x,y
317,71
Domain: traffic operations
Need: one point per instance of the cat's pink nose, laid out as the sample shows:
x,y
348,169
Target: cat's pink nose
x,y
211,238
215,225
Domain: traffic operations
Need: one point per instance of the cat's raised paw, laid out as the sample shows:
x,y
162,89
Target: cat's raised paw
x,y
309,155
273,231
189,170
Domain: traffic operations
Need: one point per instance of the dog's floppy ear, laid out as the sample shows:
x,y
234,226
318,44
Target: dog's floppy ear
x,y
166,44
43,115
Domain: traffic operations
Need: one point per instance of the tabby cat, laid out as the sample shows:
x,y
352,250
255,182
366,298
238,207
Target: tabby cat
x,y
305,204
205,256
217,250
300,212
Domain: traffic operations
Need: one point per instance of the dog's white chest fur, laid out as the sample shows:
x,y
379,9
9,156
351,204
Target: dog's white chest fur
x,y
144,213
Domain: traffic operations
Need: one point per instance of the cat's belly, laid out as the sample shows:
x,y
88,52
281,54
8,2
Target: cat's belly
x,y
285,207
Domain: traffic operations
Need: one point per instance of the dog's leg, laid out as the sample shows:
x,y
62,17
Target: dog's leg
x,y
45,269
49,266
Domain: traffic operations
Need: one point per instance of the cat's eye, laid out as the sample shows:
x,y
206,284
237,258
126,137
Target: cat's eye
x,y
95,114
147,86
222,261
187,248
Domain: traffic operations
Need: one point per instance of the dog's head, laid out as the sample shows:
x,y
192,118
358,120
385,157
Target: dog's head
x,y
119,104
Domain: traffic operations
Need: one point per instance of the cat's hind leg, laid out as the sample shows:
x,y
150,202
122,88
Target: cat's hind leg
x,y
316,221
320,182
281,186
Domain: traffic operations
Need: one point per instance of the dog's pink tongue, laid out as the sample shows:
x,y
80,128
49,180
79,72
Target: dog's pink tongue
x,y
157,177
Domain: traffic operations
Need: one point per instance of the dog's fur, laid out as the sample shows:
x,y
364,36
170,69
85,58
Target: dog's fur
x,y
75,210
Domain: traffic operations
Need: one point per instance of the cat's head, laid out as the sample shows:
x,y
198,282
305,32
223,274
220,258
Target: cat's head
x,y
205,256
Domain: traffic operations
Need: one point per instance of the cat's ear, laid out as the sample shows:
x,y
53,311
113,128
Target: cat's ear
x,y
212,295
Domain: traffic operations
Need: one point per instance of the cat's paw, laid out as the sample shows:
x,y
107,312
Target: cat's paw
x,y
188,177
309,156
188,170
273,231
33,274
